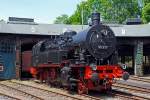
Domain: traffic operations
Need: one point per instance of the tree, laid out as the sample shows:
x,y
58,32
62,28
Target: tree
x,y
111,10
146,2
63,19
146,13
82,8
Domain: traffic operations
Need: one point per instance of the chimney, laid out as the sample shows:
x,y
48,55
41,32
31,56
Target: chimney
x,y
95,18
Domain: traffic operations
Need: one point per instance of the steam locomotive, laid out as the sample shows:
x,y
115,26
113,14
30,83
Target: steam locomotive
x,y
79,61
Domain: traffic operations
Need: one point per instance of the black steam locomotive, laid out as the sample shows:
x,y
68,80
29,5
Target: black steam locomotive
x,y
95,45
84,61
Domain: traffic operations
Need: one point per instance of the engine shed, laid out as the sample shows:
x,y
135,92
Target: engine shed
x,y
18,37
16,41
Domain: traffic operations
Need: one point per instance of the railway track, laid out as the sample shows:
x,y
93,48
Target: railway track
x,y
135,89
127,96
132,87
4,96
15,93
91,97
140,79
88,97
47,94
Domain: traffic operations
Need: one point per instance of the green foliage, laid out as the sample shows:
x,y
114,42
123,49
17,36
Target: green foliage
x,y
111,10
63,19
146,2
146,13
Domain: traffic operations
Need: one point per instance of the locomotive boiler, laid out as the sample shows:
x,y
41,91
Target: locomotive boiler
x,y
81,61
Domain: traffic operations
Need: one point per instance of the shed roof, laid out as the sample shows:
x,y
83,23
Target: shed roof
x,y
56,29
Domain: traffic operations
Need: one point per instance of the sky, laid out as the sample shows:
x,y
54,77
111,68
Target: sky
x,y
43,11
